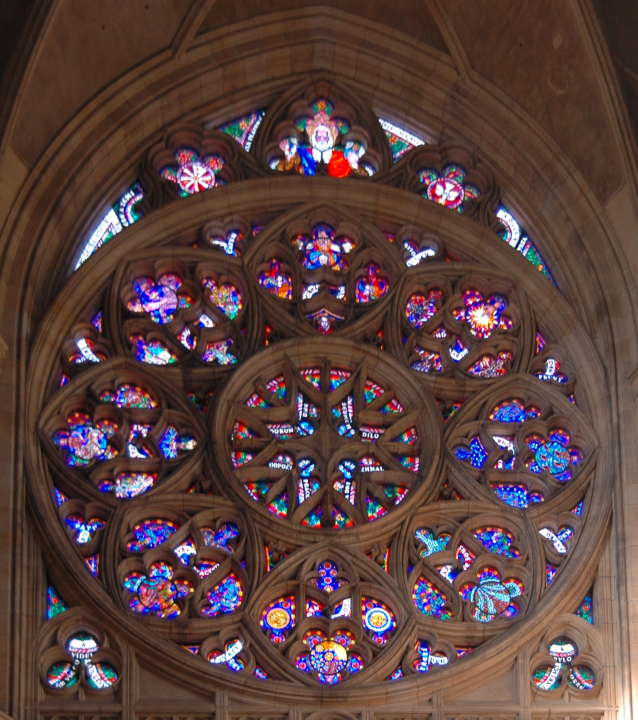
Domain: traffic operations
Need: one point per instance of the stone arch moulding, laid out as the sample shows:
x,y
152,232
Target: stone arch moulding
x,y
168,234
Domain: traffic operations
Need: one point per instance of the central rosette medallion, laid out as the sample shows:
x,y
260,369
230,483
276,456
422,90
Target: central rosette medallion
x,y
327,433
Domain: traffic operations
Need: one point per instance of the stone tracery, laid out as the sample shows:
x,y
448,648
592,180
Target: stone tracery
x,y
327,436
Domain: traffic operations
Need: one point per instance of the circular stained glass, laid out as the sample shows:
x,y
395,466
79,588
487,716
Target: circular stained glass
x,y
195,177
328,657
333,437
278,618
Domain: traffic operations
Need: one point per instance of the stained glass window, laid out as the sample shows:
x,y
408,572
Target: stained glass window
x,y
124,212
285,438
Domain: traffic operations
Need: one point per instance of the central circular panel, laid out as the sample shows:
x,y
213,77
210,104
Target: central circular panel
x,y
327,434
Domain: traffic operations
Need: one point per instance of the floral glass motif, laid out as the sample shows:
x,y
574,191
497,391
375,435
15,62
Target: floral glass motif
x,y
490,596
325,149
329,658
483,316
563,652
327,579
448,187
81,648
124,212
323,249
158,591
193,173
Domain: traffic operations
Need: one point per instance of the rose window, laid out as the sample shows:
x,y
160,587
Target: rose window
x,y
312,446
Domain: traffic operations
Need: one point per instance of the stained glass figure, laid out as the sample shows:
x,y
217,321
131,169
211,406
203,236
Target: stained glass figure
x,y
276,281
243,128
323,249
220,353
421,308
224,597
431,543
128,395
475,454
516,494
553,455
85,442
430,600
430,361
372,286
159,299
151,352
193,173
224,296
497,540
150,533
158,592
448,187
324,320
325,148
514,411
172,444
490,366
55,605
401,141
129,484
124,212
83,530
514,235
491,597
